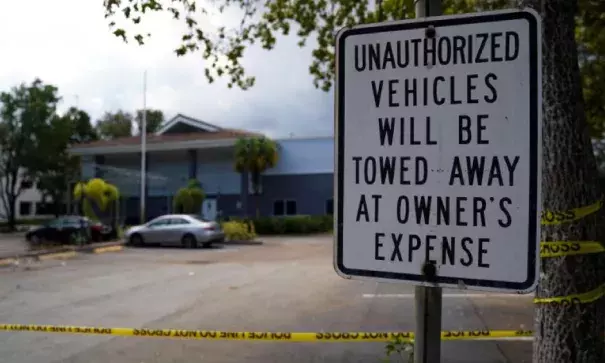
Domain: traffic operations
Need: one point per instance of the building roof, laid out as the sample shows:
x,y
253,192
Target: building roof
x,y
156,139
182,119
212,136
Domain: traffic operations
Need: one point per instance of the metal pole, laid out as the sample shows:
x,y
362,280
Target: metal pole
x,y
144,148
428,300
68,197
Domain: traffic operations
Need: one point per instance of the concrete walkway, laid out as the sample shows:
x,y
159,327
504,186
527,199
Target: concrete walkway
x,y
12,244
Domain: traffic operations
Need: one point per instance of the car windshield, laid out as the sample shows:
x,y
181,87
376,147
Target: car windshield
x,y
53,222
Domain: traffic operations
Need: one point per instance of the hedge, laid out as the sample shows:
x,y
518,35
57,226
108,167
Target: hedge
x,y
238,231
299,224
28,221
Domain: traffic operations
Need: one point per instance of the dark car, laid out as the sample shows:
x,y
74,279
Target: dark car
x,y
65,229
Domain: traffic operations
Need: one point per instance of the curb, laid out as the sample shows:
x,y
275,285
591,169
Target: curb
x,y
63,253
115,248
7,261
103,247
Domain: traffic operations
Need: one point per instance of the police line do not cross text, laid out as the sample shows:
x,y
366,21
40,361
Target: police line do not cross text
x,y
438,142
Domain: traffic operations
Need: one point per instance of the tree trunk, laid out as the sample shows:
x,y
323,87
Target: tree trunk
x,y
245,196
567,333
12,220
56,207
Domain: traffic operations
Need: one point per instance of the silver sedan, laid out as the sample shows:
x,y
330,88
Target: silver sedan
x,y
176,229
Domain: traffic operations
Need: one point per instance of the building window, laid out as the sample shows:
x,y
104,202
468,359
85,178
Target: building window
x,y
43,209
26,184
330,207
278,208
284,208
25,208
290,207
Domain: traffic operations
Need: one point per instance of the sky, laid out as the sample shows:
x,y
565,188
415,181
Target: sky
x,y
68,43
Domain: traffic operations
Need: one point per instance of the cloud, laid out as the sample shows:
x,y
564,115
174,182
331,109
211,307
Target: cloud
x,y
68,43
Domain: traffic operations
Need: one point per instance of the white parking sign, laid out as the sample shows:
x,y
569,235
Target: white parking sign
x,y
438,144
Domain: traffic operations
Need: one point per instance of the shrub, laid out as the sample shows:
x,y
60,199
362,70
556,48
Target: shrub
x,y
22,224
29,221
239,231
301,224
189,199
100,193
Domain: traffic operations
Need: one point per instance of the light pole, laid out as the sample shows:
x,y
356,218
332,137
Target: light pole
x,y
143,131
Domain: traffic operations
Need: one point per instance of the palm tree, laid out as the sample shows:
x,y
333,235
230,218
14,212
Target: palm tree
x,y
254,155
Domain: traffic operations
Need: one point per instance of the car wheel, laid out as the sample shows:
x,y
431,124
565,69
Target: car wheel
x,y
137,240
189,241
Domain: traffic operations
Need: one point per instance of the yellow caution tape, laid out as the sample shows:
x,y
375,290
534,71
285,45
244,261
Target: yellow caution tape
x,y
484,334
570,215
266,336
583,298
560,248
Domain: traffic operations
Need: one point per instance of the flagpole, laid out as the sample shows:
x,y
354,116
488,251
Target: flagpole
x,y
143,131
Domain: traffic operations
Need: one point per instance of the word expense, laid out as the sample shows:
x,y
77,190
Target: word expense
x,y
465,251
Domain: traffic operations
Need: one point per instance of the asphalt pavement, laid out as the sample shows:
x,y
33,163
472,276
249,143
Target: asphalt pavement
x,y
286,284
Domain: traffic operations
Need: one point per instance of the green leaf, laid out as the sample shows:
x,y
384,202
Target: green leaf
x,y
115,125
120,33
139,39
318,20
180,51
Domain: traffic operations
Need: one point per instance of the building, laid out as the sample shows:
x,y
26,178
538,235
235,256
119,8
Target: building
x,y
186,148
29,204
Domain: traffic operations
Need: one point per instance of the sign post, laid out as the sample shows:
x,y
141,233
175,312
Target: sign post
x,y
428,300
438,149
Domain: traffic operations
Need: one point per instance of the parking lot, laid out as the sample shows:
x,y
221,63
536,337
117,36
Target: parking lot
x,y
285,284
